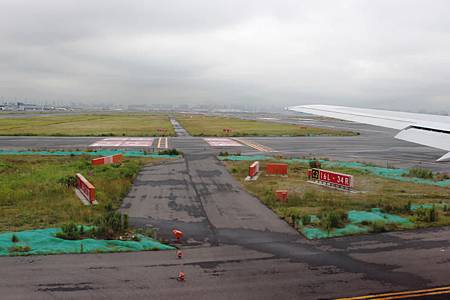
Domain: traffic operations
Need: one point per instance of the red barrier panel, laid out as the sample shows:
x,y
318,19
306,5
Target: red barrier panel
x,y
117,159
253,169
276,169
282,195
98,161
86,188
113,159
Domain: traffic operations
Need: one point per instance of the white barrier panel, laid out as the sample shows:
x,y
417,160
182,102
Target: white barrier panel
x,y
222,142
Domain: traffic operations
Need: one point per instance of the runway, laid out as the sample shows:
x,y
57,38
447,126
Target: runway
x,y
374,144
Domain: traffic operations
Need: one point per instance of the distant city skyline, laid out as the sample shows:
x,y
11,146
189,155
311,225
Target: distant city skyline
x,y
378,54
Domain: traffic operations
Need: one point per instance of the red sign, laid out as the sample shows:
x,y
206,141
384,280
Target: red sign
x,y
331,177
86,188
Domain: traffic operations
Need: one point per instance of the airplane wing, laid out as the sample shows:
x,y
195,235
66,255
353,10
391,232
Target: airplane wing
x,y
424,129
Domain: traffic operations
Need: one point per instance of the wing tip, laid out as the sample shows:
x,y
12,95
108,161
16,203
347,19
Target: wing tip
x,y
444,158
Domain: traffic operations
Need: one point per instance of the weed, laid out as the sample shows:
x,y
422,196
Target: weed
x,y
19,248
427,215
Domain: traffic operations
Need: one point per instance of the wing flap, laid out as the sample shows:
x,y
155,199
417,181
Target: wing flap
x,y
439,140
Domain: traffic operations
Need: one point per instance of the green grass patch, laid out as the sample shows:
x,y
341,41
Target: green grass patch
x,y
35,192
88,125
198,125
422,205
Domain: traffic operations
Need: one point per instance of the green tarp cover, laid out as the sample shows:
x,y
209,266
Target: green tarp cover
x,y
356,218
44,241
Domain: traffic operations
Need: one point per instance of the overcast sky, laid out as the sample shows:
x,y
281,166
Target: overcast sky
x,y
386,54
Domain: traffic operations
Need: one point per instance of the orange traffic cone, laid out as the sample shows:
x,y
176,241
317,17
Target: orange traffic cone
x,y
177,233
179,254
181,276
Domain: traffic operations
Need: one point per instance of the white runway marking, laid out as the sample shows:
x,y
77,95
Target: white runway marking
x,y
222,142
123,142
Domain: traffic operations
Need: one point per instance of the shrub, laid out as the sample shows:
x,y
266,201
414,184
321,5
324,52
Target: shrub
x,y
111,224
315,164
428,215
68,181
419,173
332,219
14,238
69,231
306,220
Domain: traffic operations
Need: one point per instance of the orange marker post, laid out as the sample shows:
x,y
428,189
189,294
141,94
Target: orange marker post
x,y
178,234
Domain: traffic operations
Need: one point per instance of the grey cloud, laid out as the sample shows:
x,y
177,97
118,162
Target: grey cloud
x,y
390,54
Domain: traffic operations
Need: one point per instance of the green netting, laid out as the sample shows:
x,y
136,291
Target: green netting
x,y
244,157
44,241
375,215
92,153
356,218
349,229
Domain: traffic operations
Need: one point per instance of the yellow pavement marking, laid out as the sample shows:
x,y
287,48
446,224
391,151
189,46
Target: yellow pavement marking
x,y
165,142
404,295
254,145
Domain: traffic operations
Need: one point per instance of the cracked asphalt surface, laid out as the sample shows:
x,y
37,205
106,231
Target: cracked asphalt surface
x,y
234,247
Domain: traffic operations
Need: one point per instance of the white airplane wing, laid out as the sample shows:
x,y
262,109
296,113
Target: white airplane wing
x,y
424,129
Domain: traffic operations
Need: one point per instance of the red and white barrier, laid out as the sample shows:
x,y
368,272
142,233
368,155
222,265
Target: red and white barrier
x,y
113,159
253,169
86,188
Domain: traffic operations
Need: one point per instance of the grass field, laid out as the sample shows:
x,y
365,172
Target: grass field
x,y
33,195
213,126
306,199
88,125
